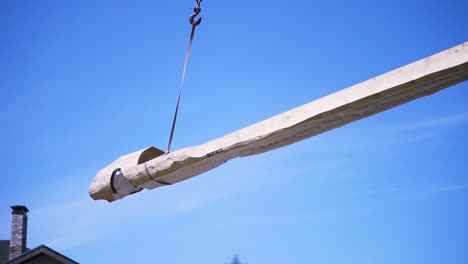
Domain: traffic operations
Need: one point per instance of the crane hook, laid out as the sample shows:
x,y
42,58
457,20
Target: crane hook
x,y
196,11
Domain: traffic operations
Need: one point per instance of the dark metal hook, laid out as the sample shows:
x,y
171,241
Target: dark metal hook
x,y
196,11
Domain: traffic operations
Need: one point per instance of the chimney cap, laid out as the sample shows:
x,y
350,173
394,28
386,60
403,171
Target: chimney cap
x,y
19,209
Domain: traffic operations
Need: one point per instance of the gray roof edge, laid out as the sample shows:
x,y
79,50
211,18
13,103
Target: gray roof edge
x,y
44,250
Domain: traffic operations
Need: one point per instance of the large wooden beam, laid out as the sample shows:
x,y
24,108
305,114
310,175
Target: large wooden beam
x,y
151,168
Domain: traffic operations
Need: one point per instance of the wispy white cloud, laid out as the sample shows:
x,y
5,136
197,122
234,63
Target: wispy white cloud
x,y
80,220
431,191
74,239
436,122
403,138
418,192
395,133
261,219
198,201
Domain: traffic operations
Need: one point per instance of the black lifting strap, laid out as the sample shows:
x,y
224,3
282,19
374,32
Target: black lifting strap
x,y
194,24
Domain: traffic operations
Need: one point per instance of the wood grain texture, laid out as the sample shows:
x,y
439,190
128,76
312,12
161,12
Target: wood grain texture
x,y
415,80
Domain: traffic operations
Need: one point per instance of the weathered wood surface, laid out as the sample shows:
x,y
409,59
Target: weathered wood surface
x,y
151,168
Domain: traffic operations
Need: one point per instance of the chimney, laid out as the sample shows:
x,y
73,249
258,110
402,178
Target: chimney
x,y
19,225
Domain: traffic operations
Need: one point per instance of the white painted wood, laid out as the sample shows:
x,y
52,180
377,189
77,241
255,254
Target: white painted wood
x,y
151,168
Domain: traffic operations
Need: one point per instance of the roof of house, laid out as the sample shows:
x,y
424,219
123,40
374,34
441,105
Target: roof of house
x,y
4,250
41,254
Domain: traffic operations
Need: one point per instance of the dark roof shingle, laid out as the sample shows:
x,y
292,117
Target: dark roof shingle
x,y
4,250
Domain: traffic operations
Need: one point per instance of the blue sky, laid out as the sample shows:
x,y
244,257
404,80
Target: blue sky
x,y
84,82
